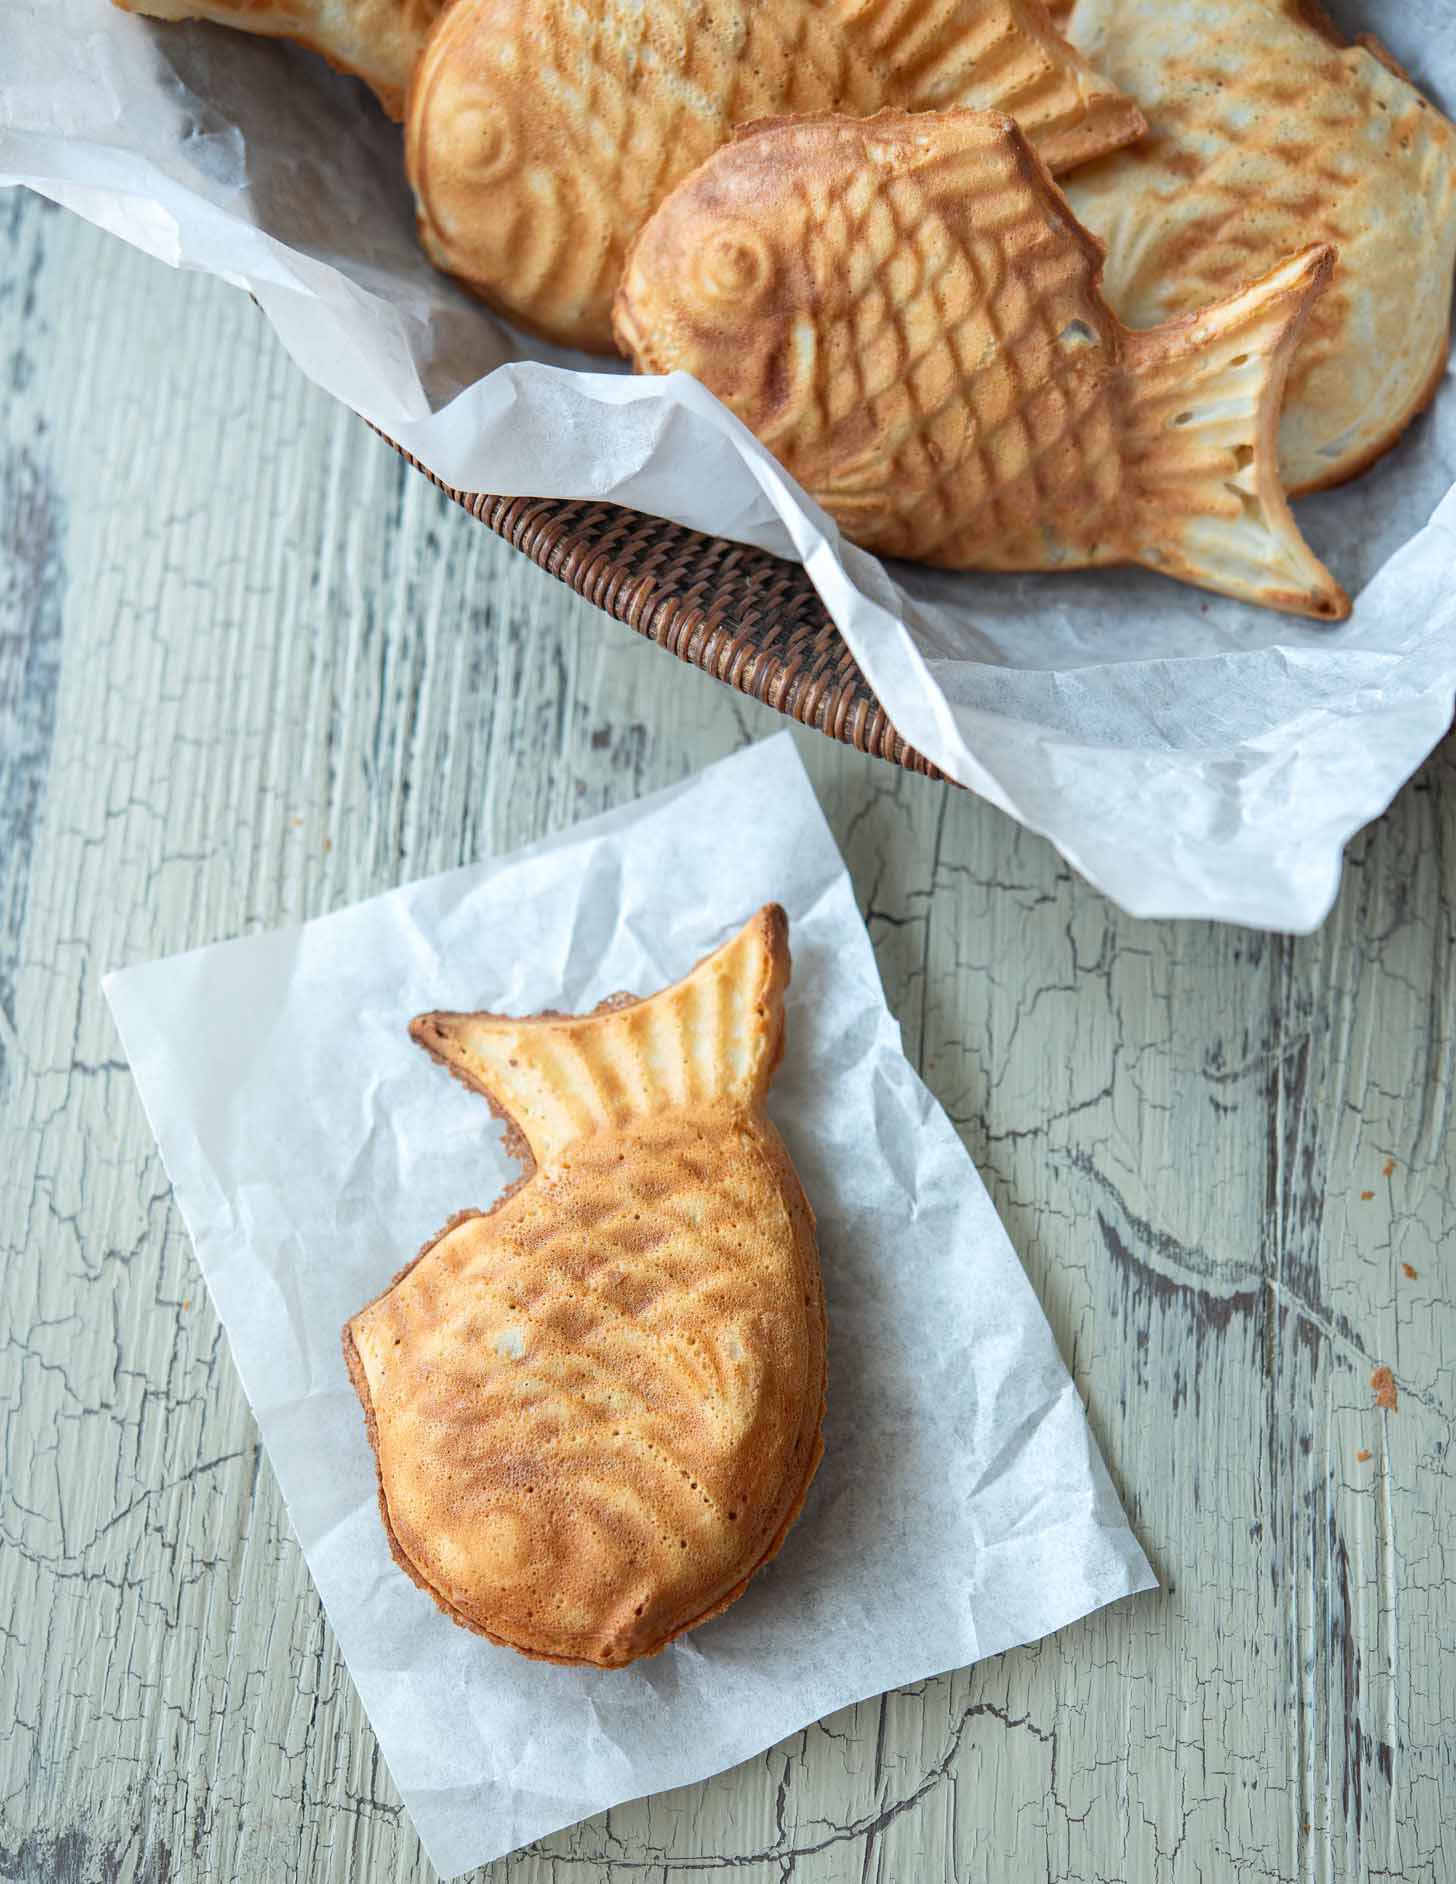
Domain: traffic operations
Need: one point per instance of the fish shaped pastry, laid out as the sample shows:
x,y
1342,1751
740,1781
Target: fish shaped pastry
x,y
377,40
540,134
907,314
1268,131
595,1409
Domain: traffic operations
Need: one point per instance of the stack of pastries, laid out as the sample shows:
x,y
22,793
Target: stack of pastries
x,y
841,217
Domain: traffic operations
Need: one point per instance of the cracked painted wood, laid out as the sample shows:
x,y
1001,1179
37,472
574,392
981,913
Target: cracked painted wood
x,y
251,669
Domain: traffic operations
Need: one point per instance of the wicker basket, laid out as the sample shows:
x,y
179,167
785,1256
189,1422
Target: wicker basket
x,y
742,616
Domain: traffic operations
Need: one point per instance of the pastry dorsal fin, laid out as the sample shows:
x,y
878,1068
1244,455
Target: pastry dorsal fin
x,y
711,1039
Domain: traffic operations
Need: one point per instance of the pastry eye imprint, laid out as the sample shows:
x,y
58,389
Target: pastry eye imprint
x,y
735,266
596,1409
484,140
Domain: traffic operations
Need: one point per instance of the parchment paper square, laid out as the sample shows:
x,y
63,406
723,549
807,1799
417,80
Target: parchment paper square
x,y
961,1507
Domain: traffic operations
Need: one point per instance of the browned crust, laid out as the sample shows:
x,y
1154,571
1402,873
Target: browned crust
x,y
1110,121
411,106
805,1244
1389,439
804,1228
361,1387
427,1030
1379,50
424,1029
605,344
801,1220
1168,339
391,97
1314,16
635,341
1318,20
1321,598
1110,124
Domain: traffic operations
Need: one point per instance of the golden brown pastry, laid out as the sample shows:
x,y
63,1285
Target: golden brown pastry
x,y
907,313
377,40
541,133
595,1409
1268,131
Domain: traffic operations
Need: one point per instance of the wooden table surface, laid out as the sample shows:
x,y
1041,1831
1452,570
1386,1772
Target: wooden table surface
x,y
252,668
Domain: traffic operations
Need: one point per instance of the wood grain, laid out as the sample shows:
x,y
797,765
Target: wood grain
x,y
252,668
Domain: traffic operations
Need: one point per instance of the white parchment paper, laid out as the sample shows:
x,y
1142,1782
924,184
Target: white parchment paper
x,y
961,1507
1190,755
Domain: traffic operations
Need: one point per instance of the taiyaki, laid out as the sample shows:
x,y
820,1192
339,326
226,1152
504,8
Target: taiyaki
x,y
596,1408
377,40
907,314
541,133
1270,131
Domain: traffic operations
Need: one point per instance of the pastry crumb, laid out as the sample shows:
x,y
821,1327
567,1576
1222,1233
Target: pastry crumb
x,y
1365,1196
1388,1168
1409,1272
1382,1382
1362,1457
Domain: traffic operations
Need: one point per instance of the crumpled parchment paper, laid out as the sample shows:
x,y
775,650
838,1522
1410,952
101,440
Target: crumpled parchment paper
x,y
1191,756
961,1507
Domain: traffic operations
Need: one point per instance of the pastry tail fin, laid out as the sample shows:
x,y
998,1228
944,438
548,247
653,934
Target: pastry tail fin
x,y
995,55
712,1038
1202,449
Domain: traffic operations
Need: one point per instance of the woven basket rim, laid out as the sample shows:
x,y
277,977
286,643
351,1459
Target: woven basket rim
x,y
747,618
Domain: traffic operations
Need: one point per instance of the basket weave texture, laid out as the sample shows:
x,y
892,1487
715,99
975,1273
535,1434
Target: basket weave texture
x,y
739,614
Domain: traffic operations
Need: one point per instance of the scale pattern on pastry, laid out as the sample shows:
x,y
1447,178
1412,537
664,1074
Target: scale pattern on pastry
x,y
541,133
377,40
1268,131
907,314
596,1408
